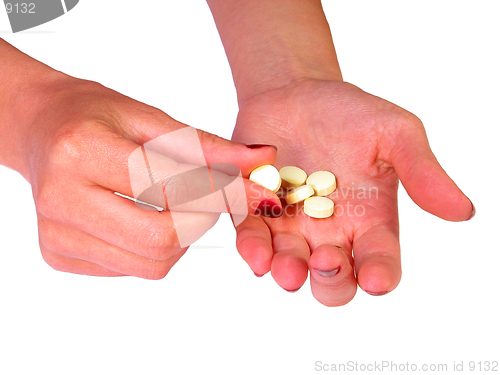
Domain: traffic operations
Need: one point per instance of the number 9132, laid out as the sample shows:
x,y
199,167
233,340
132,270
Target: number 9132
x,y
20,8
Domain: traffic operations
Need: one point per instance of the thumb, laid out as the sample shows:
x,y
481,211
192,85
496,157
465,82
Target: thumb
x,y
189,145
246,157
425,180
178,171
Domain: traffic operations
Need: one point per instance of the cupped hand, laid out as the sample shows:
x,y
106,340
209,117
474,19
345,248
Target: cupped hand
x,y
77,154
369,144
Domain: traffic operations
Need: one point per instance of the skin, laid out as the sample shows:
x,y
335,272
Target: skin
x,y
291,94
71,140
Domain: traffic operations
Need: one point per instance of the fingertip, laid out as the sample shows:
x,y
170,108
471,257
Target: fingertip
x,y
450,203
289,271
333,300
254,244
465,209
269,208
262,201
257,155
259,146
473,212
377,256
256,252
332,276
377,278
327,258
434,191
425,180
246,157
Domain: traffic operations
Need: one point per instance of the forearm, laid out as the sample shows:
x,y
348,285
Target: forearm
x,y
271,43
20,75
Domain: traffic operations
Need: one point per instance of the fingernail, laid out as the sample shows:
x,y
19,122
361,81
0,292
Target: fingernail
x,y
261,146
377,293
473,212
328,273
256,274
269,209
291,291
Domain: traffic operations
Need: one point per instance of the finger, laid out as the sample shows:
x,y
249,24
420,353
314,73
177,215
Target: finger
x,y
77,266
204,189
157,173
74,247
246,157
162,172
425,180
377,259
332,276
122,223
254,243
289,266
189,145
108,161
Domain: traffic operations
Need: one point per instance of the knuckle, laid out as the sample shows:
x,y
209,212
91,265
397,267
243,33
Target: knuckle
x,y
51,200
156,238
395,117
156,270
413,126
55,262
53,238
412,119
47,237
46,197
75,142
68,144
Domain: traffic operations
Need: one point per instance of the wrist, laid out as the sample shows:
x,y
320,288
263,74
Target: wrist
x,y
22,92
270,44
292,70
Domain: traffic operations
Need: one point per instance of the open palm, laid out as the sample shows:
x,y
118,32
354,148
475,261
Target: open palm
x,y
369,144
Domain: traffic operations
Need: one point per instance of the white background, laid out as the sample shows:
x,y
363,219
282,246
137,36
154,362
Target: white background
x,y
439,60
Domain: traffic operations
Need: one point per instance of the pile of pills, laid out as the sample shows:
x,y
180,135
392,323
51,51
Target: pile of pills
x,y
298,187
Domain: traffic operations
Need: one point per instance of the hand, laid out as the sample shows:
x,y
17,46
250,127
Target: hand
x,y
77,144
368,143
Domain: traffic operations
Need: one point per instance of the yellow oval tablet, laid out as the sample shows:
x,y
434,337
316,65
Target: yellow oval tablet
x,y
292,177
323,183
266,176
318,207
298,194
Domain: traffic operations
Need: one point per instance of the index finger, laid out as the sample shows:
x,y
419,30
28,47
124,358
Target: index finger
x,y
218,187
141,172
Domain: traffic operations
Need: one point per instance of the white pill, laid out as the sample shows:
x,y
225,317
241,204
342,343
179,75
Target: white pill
x,y
298,194
318,207
266,176
323,182
292,177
